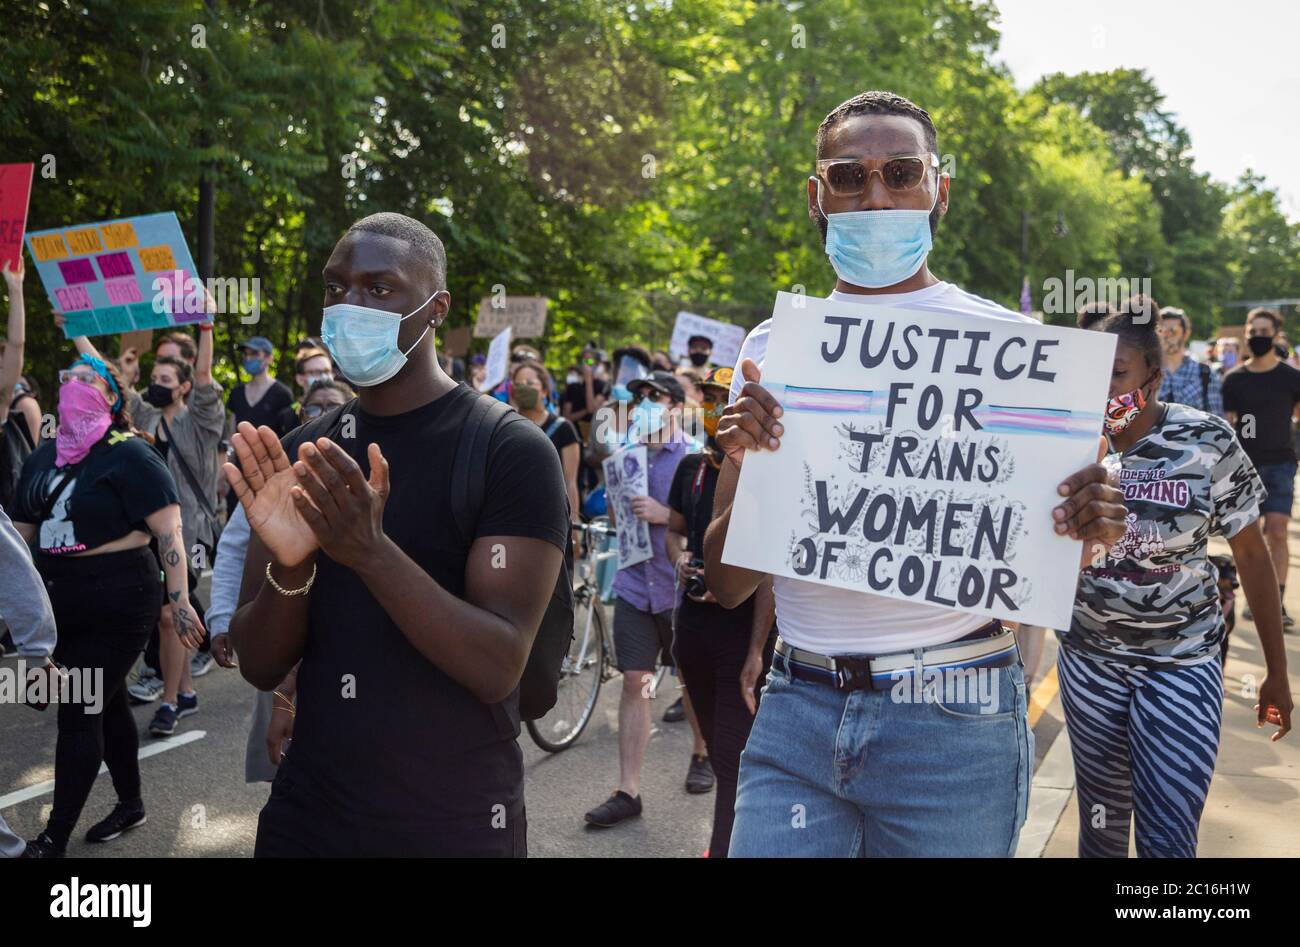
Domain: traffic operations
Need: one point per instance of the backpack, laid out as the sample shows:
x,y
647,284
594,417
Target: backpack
x,y
15,447
541,679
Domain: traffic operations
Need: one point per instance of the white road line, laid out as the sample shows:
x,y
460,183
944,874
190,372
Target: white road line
x,y
153,749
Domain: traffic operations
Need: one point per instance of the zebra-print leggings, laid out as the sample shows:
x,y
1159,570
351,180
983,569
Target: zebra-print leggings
x,y
1144,743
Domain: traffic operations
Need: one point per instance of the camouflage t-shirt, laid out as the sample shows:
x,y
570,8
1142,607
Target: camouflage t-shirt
x,y
1155,602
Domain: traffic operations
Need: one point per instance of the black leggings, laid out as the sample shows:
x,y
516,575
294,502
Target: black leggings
x,y
709,661
104,607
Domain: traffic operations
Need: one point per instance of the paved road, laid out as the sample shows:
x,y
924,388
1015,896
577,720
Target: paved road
x,y
198,802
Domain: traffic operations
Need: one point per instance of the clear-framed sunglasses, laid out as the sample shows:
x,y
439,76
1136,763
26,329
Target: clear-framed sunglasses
x,y
849,177
80,373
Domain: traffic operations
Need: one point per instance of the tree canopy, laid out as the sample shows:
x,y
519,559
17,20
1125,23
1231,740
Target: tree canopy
x,y
625,160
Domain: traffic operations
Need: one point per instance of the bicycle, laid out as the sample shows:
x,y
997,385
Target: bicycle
x,y
590,661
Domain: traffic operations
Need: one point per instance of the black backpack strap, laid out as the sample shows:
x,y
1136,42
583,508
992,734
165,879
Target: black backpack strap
x,y
1205,387
469,471
204,500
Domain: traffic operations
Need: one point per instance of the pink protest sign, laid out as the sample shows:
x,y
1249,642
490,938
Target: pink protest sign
x,y
122,291
113,265
15,190
72,298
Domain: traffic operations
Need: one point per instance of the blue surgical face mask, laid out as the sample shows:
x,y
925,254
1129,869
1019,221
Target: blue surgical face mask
x,y
363,341
254,366
877,248
646,420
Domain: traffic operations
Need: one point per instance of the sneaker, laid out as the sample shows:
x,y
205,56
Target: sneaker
x,y
146,688
186,705
614,810
1246,614
699,778
201,663
123,818
164,721
676,712
42,847
1287,620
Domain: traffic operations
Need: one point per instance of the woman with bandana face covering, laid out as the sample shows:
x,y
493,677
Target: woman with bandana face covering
x,y
1141,681
90,501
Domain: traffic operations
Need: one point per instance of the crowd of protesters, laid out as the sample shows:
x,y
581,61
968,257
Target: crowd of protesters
x,y
333,504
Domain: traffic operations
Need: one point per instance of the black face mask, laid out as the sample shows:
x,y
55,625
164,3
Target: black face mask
x,y
1260,344
160,396
699,359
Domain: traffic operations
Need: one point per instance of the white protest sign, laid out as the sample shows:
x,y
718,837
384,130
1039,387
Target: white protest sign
x,y
921,456
627,476
525,314
498,361
725,337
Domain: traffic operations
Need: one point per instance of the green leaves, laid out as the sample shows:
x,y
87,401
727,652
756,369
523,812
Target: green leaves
x,y
626,159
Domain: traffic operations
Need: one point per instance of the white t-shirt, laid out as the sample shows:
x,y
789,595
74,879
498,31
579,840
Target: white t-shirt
x,y
828,620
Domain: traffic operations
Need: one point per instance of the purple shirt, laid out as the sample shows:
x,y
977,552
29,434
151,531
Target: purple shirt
x,y
650,586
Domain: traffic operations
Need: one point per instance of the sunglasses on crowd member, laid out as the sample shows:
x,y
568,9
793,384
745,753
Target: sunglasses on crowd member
x,y
313,411
650,394
849,177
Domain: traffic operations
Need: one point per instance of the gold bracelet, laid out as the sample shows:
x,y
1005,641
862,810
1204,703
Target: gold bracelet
x,y
282,590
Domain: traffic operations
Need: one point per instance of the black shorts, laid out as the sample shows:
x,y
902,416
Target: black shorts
x,y
641,639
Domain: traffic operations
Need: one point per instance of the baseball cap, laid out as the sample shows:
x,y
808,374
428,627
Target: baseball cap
x,y
718,378
659,381
258,343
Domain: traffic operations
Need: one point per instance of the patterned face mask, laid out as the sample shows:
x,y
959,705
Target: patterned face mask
x,y
1122,409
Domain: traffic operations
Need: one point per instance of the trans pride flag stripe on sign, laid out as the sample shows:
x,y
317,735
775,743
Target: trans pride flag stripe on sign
x,y
994,418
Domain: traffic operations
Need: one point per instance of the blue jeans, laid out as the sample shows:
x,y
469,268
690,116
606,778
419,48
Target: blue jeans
x,y
884,773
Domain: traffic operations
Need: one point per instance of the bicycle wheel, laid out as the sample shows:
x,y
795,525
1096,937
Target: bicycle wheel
x,y
580,677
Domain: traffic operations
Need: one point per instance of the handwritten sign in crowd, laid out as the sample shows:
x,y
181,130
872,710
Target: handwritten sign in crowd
x,y
118,275
921,456
726,338
497,367
627,477
526,315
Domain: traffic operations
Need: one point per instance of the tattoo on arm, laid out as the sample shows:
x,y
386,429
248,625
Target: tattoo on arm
x,y
175,596
184,623
167,546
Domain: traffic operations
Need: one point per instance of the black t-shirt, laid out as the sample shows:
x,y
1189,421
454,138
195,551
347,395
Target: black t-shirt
x,y
110,493
560,431
268,410
575,394
691,495
288,419
1263,402
409,748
